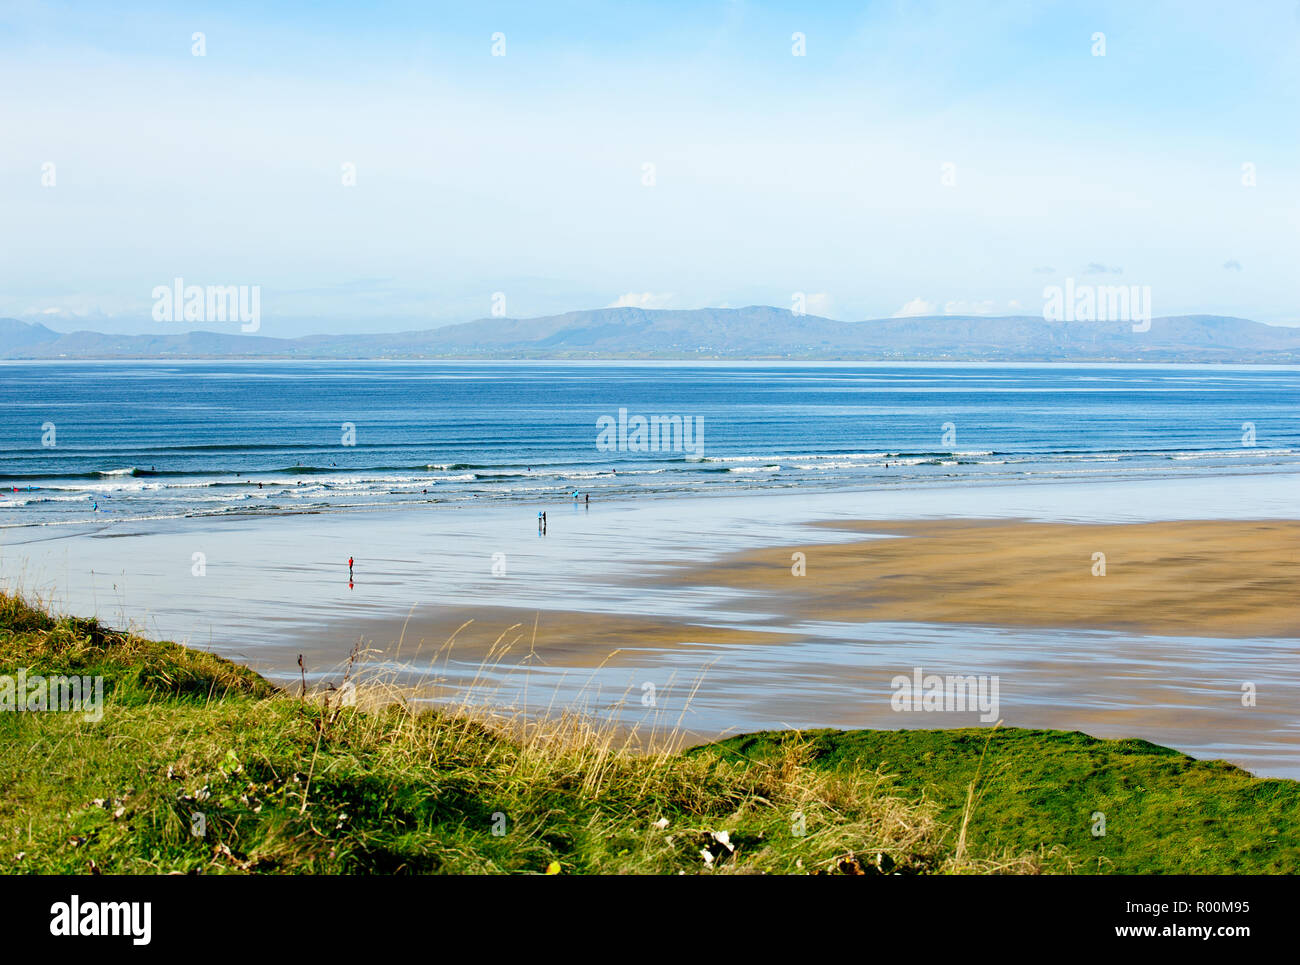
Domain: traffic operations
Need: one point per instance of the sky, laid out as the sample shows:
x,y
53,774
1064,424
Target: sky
x,y
867,160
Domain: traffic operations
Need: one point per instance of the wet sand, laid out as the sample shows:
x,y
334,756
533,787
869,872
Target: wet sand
x,y
675,593
481,635
1216,578
1159,647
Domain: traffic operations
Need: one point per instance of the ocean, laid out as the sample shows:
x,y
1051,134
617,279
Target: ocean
x,y
86,442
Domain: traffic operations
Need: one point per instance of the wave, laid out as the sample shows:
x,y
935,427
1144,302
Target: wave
x,y
130,490
224,475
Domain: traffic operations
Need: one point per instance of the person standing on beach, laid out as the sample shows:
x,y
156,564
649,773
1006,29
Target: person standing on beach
x,y
588,499
349,569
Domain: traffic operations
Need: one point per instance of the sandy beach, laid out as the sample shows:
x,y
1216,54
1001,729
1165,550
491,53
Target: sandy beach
x,y
696,601
1215,578
1159,646
1206,578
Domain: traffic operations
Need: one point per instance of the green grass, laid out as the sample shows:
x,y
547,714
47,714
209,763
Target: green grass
x,y
1165,813
304,786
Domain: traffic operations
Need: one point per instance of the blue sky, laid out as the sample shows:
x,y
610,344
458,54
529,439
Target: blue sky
x,y
524,174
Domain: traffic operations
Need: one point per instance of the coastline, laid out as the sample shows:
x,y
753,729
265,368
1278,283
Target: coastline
x,y
1236,584
697,598
1158,648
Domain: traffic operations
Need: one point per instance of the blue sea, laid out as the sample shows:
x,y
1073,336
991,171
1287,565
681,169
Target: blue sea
x,y
82,441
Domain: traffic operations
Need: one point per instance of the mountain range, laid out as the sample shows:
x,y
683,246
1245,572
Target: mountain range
x,y
756,332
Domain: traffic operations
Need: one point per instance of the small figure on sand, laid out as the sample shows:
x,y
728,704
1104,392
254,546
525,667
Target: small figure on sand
x,y
349,569
588,499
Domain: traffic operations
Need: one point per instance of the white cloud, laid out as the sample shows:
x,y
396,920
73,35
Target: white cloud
x,y
817,303
643,300
968,308
917,306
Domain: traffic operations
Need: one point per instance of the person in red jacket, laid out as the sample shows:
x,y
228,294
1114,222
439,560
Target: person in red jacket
x,y
349,568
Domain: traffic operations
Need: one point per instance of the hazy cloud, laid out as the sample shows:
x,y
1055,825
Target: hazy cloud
x,y
643,300
968,308
817,303
1232,265
917,306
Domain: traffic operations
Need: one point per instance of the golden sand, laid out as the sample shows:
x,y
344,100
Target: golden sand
x,y
1198,578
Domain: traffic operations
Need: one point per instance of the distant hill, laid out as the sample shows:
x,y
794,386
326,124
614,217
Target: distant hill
x,y
757,332
16,335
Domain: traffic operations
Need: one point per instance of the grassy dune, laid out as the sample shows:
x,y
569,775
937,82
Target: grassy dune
x,y
1038,790
286,785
